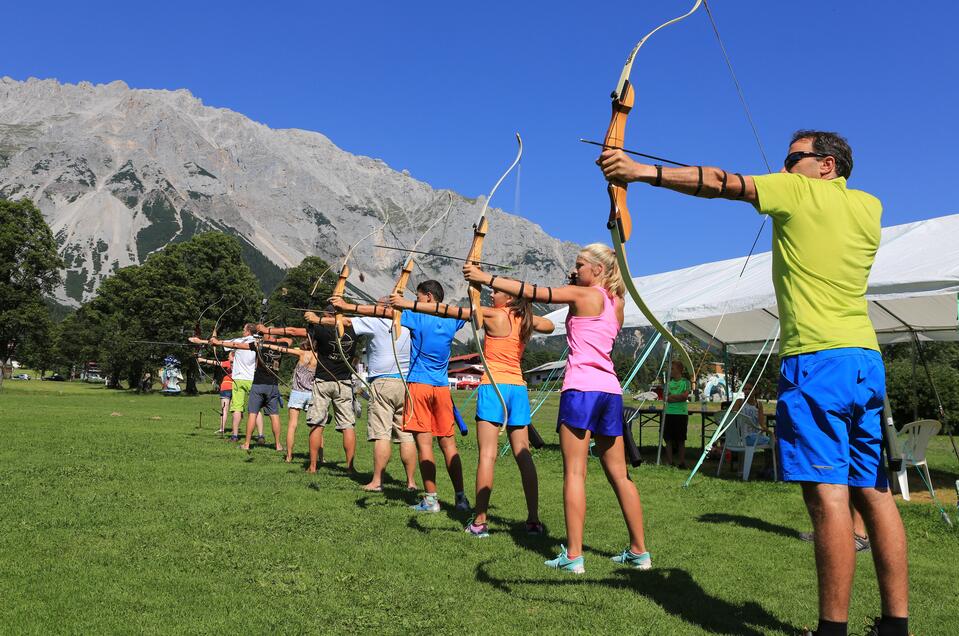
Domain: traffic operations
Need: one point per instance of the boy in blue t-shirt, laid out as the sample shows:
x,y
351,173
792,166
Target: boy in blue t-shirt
x,y
428,410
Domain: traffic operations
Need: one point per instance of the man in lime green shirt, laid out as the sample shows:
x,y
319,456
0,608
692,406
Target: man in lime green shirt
x,y
832,380
676,414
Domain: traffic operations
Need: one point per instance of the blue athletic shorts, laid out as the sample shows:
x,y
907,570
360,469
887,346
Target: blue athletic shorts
x,y
300,399
226,395
829,417
265,397
488,408
596,411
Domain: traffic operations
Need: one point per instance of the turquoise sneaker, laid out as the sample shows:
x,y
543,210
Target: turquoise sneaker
x,y
639,561
427,504
563,562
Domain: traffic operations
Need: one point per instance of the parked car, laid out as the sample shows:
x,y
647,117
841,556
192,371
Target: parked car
x,y
21,376
56,377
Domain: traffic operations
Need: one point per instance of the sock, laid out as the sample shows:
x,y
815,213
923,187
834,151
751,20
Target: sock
x,y
831,628
893,626
431,496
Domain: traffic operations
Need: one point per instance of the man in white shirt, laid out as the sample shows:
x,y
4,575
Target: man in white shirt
x,y
244,366
385,413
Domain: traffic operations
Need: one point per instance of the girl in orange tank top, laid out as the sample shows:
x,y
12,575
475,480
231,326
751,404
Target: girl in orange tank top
x,y
508,324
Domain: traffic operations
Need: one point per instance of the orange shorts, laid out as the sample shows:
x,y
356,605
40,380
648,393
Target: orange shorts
x,y
432,410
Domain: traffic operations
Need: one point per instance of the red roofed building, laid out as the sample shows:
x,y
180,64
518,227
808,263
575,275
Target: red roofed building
x,y
467,370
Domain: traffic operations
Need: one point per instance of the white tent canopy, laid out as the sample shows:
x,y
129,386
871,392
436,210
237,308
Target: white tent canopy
x,y
912,289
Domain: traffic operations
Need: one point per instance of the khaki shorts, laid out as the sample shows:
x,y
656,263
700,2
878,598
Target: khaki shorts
x,y
337,394
386,411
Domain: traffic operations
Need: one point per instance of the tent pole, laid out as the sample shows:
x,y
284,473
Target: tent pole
x,y
915,391
935,391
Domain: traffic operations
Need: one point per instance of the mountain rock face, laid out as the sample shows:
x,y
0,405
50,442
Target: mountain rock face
x,y
120,173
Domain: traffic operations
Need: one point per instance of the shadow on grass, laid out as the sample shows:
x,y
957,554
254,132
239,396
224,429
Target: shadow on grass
x,y
673,589
749,522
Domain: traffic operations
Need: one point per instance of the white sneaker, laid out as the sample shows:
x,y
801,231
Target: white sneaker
x,y
427,504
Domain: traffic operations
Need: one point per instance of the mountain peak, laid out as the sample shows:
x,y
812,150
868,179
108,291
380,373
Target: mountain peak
x,y
121,172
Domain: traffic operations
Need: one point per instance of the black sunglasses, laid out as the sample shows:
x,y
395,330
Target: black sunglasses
x,y
795,157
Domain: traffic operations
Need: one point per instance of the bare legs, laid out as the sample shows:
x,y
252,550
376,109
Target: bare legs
x,y
678,447
224,410
424,447
236,423
382,450
291,433
250,424
488,439
575,446
828,506
316,447
349,446
888,539
275,425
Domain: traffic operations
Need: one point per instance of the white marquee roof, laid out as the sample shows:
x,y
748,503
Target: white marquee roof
x,y
912,288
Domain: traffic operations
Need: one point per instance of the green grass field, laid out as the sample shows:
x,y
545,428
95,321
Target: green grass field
x,y
117,514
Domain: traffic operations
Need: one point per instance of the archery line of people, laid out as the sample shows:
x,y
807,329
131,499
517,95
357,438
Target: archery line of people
x,y
831,387
411,404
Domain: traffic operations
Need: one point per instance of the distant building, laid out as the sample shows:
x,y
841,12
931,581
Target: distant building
x,y
549,371
466,370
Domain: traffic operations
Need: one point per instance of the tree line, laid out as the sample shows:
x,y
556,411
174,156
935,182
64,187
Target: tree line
x,y
143,312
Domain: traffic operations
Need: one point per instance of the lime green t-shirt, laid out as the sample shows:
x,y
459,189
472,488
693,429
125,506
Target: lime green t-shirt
x,y
675,387
825,238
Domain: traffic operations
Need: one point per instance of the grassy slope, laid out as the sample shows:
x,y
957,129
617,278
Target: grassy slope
x,y
118,514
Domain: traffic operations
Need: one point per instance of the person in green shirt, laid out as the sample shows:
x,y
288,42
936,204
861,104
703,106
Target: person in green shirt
x,y
676,414
832,380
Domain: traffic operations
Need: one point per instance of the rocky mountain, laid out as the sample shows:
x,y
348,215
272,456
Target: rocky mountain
x,y
120,173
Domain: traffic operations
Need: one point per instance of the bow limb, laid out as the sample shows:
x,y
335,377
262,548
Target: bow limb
x,y
480,229
198,333
213,333
396,328
338,290
264,307
644,308
620,221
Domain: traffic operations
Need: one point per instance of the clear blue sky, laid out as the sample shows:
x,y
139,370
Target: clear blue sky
x,y
438,88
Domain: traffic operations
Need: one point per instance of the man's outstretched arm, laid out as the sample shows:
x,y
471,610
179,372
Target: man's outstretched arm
x,y
701,181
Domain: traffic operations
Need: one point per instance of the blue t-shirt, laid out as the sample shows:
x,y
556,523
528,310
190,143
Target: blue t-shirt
x,y
430,340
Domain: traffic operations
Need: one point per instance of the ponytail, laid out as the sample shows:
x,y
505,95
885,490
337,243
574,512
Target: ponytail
x,y
612,279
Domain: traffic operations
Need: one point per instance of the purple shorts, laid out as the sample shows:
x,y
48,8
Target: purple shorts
x,y
595,411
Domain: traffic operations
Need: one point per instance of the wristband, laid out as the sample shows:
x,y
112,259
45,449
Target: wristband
x,y
699,186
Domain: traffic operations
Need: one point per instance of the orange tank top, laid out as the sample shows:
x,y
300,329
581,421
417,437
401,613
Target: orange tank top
x,y
504,353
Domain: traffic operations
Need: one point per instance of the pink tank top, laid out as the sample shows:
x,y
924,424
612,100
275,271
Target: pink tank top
x,y
589,366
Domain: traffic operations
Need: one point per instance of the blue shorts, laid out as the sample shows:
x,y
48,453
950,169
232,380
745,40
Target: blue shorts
x,y
829,417
596,411
265,397
300,399
226,395
488,408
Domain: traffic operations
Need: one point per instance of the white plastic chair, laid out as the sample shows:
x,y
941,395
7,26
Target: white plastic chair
x,y
913,441
735,441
